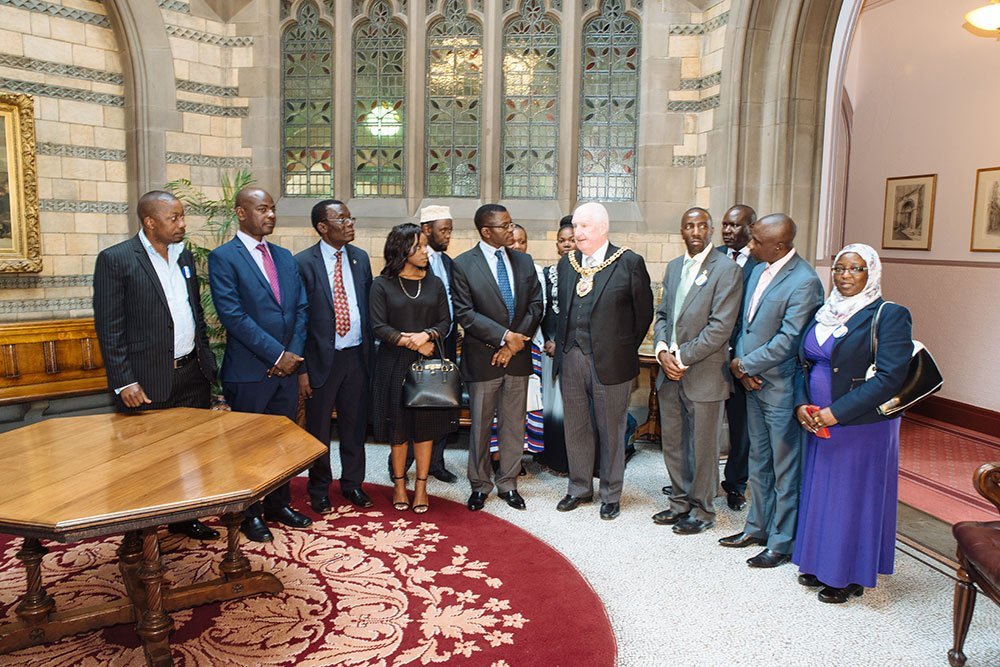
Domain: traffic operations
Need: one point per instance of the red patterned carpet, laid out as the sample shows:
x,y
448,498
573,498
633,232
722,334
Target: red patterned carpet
x,y
936,464
363,587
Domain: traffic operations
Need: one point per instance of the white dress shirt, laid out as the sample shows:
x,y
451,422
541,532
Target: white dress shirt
x,y
175,288
599,255
489,252
765,280
353,336
742,255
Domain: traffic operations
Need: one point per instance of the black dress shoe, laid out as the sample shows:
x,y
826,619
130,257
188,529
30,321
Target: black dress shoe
x,y
514,499
691,526
255,530
833,595
320,505
810,581
289,517
768,558
610,510
570,503
477,500
736,500
667,490
668,517
358,498
196,530
740,540
445,475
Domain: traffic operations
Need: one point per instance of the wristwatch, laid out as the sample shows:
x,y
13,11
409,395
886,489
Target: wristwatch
x,y
740,367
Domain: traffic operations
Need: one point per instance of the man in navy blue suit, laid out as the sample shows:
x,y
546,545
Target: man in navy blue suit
x,y
337,277
736,225
260,300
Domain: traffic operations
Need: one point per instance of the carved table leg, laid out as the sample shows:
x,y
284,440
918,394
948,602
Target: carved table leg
x,y
650,430
36,604
129,559
234,565
964,604
155,625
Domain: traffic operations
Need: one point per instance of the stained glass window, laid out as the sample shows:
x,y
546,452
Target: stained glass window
x,y
610,105
379,104
530,105
307,105
454,104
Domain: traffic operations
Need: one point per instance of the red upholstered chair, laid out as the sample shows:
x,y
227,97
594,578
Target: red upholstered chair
x,y
979,556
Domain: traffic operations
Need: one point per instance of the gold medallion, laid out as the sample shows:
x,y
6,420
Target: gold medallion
x,y
586,281
584,285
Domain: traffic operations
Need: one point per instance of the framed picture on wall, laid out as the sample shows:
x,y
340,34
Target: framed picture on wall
x,y
20,234
986,211
909,212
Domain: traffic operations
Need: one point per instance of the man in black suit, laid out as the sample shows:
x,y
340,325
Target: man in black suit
x,y
736,225
337,278
605,308
149,321
498,302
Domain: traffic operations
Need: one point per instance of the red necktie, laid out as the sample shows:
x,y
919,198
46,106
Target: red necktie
x,y
270,271
341,309
736,254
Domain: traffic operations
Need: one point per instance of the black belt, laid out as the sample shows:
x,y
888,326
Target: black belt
x,y
180,362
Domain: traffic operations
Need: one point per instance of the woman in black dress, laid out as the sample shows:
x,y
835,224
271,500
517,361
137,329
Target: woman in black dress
x,y
409,312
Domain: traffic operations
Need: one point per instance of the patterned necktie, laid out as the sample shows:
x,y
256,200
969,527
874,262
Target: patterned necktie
x,y
736,255
504,283
270,271
341,309
682,291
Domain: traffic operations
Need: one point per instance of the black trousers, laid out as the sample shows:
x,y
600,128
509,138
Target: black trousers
x,y
190,389
346,389
737,465
270,396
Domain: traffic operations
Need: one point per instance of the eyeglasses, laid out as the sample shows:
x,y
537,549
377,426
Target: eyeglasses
x,y
341,221
509,225
855,270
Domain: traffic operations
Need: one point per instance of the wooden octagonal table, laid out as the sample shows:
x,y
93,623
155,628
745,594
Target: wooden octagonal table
x,y
68,479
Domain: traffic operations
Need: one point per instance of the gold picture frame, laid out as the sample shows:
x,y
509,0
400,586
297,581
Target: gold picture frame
x,y
986,211
20,232
908,216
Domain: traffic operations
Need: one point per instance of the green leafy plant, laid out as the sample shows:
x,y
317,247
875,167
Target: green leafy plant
x,y
220,225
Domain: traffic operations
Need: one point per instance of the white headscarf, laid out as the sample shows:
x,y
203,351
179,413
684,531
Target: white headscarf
x,y
838,308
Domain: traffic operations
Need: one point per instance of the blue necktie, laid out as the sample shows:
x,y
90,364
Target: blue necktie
x,y
506,293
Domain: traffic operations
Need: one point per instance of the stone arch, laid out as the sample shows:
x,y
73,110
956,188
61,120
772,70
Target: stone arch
x,y
150,90
768,148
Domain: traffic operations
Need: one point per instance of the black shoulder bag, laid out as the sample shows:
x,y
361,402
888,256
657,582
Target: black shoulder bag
x,y
432,383
922,377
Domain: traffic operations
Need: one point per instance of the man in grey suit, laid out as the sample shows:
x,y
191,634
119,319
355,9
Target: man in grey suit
x,y
498,301
701,300
785,293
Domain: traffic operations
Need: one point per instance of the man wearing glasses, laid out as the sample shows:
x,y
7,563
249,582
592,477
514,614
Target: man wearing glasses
x,y
337,278
498,301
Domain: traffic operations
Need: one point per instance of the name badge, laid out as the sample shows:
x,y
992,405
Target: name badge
x,y
701,279
840,331
186,270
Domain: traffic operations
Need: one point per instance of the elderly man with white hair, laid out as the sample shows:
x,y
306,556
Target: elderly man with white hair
x,y
605,308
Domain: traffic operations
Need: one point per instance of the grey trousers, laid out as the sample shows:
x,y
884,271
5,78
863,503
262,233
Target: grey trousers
x,y
776,444
506,398
691,432
593,410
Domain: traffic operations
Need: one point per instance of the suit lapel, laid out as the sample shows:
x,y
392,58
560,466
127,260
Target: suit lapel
x,y
785,271
674,269
319,267
187,260
706,269
357,274
147,264
603,276
858,320
480,261
242,250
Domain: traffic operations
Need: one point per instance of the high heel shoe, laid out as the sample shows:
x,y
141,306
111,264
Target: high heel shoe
x,y
401,505
420,509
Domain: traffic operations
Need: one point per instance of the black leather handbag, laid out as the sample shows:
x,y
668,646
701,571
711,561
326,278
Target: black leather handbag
x,y
432,383
922,377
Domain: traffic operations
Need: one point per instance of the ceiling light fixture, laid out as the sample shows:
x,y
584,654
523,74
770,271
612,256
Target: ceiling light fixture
x,y
986,17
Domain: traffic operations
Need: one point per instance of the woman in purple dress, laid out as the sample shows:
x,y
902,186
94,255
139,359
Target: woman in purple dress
x,y
847,511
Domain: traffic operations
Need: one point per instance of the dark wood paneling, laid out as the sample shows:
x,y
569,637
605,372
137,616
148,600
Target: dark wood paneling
x,y
51,359
960,414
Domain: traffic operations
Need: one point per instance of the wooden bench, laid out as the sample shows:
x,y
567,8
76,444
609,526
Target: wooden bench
x,y
48,360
